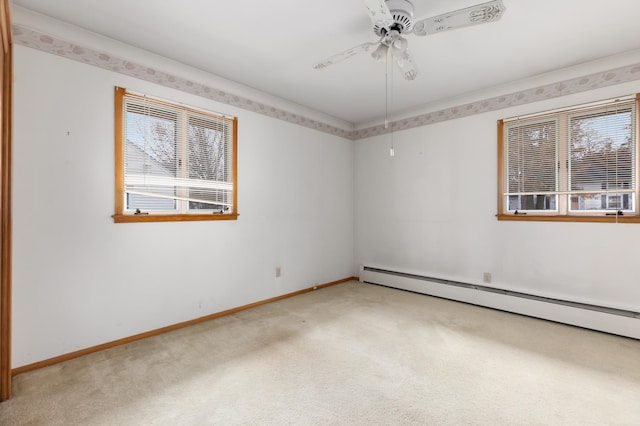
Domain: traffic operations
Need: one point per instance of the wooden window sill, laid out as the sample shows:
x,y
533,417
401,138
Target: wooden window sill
x,y
131,218
565,218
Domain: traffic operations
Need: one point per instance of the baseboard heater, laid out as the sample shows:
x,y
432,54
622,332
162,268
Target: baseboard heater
x,y
602,318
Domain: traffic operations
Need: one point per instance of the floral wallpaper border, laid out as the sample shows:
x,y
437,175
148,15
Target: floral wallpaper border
x,y
580,84
47,43
50,44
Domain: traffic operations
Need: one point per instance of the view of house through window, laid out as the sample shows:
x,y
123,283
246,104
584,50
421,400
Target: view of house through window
x,y
579,162
175,160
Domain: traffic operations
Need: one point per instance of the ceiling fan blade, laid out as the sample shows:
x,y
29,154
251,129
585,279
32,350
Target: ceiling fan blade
x,y
362,48
406,64
474,15
378,12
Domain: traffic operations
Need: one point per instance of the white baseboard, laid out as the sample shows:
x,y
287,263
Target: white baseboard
x,y
601,318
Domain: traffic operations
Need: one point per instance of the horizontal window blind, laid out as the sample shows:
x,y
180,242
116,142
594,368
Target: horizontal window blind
x,y
602,157
208,161
174,154
531,155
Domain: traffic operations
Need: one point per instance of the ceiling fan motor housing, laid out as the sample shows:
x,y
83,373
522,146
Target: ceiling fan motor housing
x,y
402,11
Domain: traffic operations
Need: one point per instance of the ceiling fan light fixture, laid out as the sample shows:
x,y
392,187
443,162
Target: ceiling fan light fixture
x,y
399,46
380,53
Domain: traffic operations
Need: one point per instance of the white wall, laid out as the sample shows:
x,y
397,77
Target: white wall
x,y
81,280
431,210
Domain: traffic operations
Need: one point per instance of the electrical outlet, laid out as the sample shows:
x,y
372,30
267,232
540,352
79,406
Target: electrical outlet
x,y
486,277
278,272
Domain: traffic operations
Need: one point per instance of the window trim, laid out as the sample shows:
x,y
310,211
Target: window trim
x,y
568,217
120,216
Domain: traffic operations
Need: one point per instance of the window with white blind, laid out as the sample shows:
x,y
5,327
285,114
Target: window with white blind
x,y
573,164
173,162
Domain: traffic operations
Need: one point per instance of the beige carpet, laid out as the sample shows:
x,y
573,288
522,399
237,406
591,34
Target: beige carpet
x,y
352,354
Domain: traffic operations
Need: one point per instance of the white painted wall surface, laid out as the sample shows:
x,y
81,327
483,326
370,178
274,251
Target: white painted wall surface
x,y
81,280
431,209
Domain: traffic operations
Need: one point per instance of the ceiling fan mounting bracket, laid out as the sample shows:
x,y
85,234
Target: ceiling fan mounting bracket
x,y
402,12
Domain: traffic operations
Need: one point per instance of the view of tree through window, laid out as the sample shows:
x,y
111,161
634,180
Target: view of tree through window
x,y
581,160
207,157
150,150
602,158
175,160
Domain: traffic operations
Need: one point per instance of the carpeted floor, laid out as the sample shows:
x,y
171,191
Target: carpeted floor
x,y
352,354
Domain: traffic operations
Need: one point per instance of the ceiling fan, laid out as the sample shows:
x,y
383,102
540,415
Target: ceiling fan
x,y
393,18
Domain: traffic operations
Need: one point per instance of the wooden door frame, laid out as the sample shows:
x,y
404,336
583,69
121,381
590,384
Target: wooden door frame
x,y
6,118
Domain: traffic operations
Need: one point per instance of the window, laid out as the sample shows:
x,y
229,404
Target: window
x,y
173,163
578,164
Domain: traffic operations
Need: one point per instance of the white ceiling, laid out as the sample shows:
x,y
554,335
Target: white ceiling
x,y
271,45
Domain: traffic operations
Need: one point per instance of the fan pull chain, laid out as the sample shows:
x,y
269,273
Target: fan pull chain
x,y
389,98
